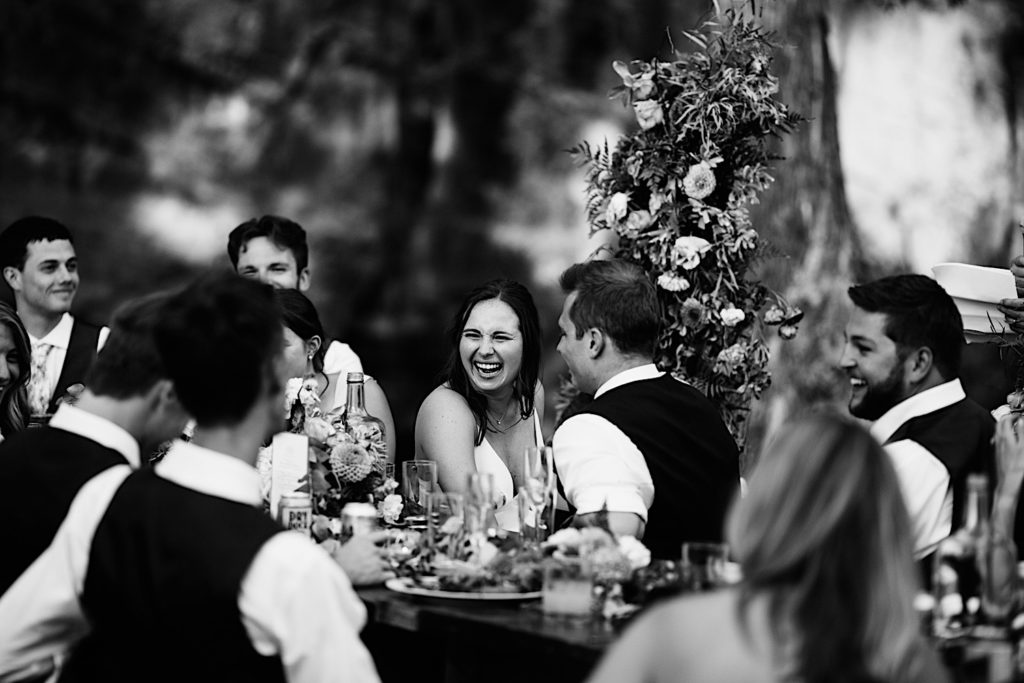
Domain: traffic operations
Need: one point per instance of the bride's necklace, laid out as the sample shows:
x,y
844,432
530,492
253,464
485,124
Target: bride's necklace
x,y
496,425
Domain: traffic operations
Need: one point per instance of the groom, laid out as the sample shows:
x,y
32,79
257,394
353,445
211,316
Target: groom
x,y
651,450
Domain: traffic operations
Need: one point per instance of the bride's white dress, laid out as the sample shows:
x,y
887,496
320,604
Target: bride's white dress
x,y
487,460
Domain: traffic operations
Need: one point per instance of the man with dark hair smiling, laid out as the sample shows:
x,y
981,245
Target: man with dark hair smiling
x,y
651,451
902,355
40,266
274,250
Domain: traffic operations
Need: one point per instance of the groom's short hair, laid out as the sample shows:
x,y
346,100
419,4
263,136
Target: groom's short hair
x,y
129,363
618,298
16,237
219,338
919,312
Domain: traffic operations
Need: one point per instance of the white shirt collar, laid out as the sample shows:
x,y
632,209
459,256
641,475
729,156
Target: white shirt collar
x,y
98,429
210,472
927,401
641,372
59,336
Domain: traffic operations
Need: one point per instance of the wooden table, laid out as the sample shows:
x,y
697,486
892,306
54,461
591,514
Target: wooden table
x,y
461,641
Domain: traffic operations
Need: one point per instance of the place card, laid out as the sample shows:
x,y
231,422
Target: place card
x,y
290,466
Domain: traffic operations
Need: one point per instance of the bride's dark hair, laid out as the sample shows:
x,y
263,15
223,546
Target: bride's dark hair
x,y
299,315
521,302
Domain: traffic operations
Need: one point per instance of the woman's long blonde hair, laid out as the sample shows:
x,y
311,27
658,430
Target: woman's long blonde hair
x,y
823,536
14,408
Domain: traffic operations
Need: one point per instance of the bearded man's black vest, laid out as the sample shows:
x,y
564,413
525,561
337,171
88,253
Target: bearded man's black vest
x,y
960,437
161,592
692,458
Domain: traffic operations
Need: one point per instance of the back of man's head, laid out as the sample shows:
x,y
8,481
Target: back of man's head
x,y
14,240
618,298
129,365
919,312
285,233
219,338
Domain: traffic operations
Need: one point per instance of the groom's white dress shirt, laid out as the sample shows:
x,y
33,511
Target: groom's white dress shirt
x,y
598,465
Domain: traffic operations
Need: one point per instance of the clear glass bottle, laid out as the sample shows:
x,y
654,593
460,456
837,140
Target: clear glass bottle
x,y
974,573
364,428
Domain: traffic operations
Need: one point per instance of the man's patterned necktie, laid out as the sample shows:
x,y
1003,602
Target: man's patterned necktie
x,y
38,383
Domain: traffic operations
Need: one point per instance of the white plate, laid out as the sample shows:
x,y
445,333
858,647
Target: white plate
x,y
405,585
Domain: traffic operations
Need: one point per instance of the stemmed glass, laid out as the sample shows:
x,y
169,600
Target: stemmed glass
x,y
537,511
481,523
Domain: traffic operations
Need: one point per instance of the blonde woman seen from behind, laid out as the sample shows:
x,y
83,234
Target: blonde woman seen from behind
x,y
825,545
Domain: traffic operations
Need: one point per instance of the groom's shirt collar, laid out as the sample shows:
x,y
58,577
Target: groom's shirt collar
x,y
928,401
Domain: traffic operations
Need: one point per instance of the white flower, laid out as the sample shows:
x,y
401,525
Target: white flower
x,y
730,359
291,392
391,508
673,283
649,114
334,526
699,181
642,85
565,538
635,551
318,429
656,201
688,250
774,315
637,221
309,394
732,316
618,205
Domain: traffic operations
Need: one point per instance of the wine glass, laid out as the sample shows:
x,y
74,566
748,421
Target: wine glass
x,y
539,487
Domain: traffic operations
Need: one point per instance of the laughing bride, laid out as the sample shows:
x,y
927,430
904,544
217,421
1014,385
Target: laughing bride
x,y
487,410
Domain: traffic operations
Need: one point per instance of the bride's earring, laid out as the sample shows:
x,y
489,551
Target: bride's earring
x,y
309,365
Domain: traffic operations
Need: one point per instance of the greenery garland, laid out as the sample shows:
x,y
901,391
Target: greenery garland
x,y
676,194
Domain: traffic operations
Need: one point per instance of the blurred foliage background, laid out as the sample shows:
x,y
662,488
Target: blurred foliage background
x,y
422,145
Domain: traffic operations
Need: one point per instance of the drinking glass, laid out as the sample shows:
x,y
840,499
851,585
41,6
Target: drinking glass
x,y
419,478
703,565
445,517
533,523
481,499
539,489
568,587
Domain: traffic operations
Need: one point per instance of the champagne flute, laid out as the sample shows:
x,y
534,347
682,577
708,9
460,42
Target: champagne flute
x,y
539,487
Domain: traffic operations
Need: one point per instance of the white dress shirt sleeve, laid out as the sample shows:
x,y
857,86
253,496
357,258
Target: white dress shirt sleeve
x,y
297,603
924,481
40,616
340,358
599,466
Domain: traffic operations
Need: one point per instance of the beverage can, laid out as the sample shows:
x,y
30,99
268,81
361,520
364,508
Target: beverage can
x,y
358,519
295,511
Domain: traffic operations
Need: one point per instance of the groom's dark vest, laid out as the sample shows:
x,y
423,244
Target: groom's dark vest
x,y
80,355
691,456
960,437
42,470
161,592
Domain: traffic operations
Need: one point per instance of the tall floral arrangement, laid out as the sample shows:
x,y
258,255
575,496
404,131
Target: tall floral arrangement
x,y
676,194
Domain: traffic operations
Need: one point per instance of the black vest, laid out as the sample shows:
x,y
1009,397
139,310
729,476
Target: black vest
x,y
960,437
161,592
692,458
42,470
80,355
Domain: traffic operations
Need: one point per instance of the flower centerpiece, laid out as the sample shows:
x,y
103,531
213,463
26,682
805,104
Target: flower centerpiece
x,y
676,192
342,467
